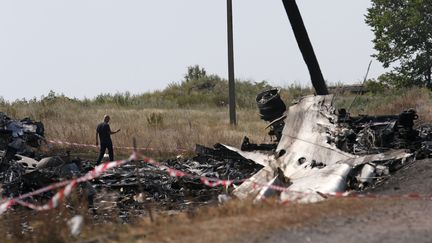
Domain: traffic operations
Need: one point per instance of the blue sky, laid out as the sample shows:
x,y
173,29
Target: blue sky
x,y
86,47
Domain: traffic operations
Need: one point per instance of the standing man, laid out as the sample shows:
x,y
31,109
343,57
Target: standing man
x,y
104,131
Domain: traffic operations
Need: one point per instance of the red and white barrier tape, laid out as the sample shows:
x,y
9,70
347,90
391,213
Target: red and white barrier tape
x,y
55,201
96,172
211,182
66,191
214,182
117,147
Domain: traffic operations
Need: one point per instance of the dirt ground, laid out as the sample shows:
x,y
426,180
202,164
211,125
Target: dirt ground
x,y
401,222
336,220
333,220
395,221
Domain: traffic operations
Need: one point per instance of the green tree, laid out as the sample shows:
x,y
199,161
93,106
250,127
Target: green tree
x,y
403,40
195,73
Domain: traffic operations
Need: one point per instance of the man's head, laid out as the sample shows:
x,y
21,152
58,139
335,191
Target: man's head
x,y
106,118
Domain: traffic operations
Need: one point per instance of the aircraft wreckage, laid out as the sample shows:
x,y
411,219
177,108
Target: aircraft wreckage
x,y
321,150
317,150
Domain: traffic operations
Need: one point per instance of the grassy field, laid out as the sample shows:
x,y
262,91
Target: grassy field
x,y
390,102
162,129
170,129
167,130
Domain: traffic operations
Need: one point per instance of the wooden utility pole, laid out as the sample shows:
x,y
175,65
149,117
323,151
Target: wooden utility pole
x,y
231,82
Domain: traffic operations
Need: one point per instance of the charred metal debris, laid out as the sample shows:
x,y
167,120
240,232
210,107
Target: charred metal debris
x,y
127,190
314,150
359,135
321,150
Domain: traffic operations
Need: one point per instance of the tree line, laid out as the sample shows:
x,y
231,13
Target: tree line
x,y
403,41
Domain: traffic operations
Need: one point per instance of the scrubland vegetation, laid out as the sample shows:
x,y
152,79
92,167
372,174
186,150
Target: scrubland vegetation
x,y
193,111
234,220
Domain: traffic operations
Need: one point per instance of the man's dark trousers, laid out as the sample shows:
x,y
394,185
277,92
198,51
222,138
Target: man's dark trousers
x,y
103,147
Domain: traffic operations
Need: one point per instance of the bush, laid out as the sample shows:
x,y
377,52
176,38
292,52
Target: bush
x,y
197,89
155,119
375,87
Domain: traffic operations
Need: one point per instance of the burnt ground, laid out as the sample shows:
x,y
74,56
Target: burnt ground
x,y
333,220
376,220
397,220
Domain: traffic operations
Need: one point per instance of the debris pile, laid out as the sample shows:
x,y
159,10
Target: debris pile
x,y
18,141
128,189
375,134
323,151
137,185
315,151
20,135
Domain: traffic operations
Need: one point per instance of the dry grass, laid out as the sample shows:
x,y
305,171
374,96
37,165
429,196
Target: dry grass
x,y
180,128
184,128
24,225
169,129
419,99
391,103
239,220
230,222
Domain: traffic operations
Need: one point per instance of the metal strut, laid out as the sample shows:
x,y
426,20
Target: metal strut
x,y
305,46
